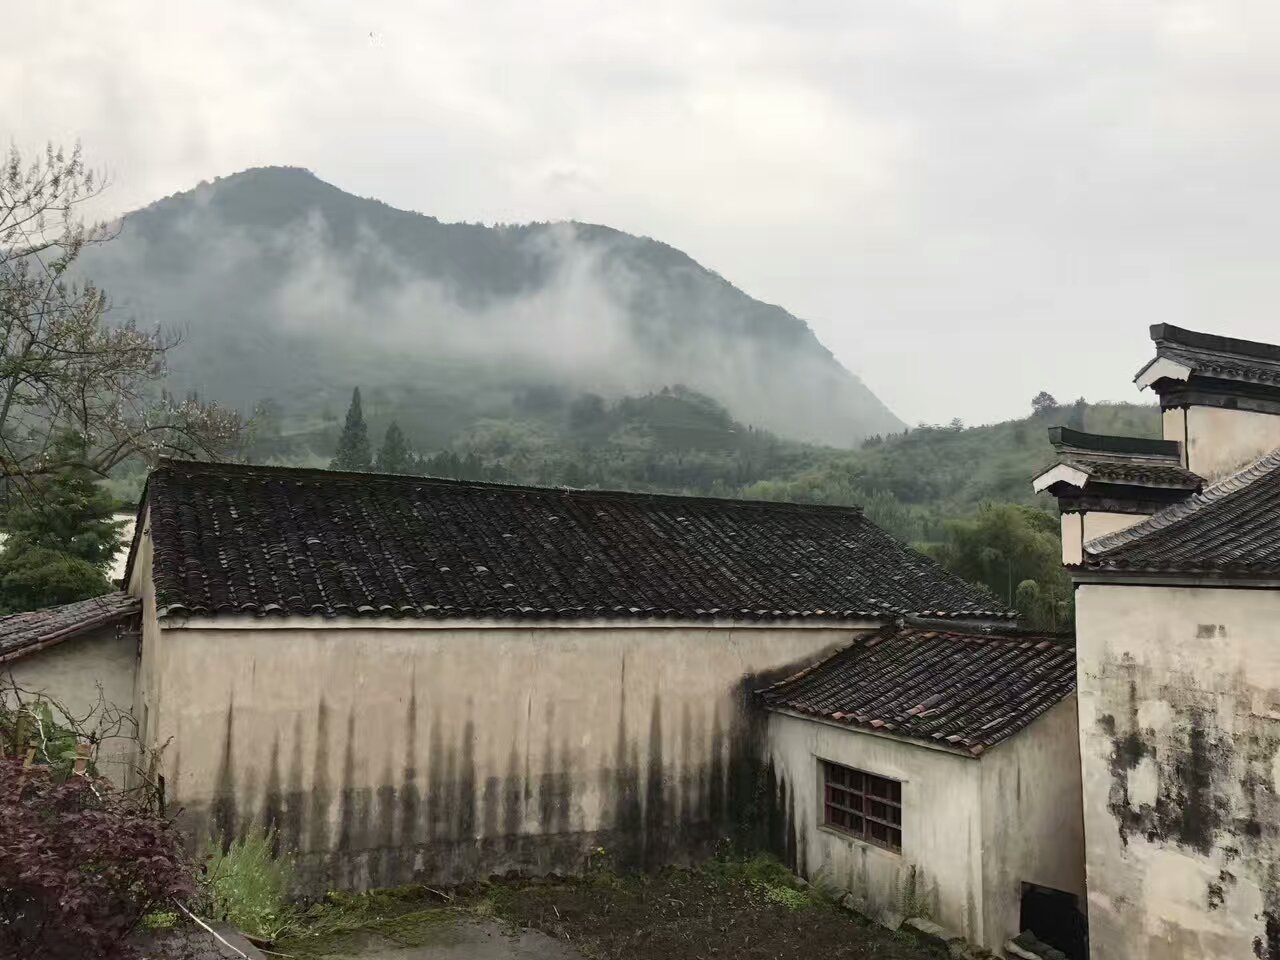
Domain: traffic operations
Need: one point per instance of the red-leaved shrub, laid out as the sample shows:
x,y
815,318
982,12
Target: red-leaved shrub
x,y
80,866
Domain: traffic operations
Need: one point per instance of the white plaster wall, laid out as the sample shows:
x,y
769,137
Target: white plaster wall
x,y
86,674
1179,699
1221,441
433,750
1174,427
1032,816
147,682
1098,523
941,820
1072,539
1079,528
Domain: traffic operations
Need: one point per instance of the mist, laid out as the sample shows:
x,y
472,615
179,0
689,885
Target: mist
x,y
315,295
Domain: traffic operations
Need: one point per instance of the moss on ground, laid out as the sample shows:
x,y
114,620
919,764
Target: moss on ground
x,y
727,907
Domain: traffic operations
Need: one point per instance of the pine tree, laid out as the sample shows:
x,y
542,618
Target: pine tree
x,y
353,446
61,539
394,457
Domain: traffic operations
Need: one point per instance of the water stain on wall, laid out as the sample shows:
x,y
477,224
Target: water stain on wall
x,y
1216,800
669,792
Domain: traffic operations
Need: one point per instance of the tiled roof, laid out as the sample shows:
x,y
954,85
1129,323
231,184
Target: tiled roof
x,y
1144,473
264,540
1232,527
966,690
22,633
1223,358
1124,461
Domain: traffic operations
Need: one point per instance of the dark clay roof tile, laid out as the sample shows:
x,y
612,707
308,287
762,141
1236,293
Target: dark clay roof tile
x,y
231,538
973,690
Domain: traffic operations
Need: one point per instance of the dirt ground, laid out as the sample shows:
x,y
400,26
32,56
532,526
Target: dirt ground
x,y
722,910
697,915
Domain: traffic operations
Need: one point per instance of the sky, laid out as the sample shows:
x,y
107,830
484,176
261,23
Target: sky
x,y
969,202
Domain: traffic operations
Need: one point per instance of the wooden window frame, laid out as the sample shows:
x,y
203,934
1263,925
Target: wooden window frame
x,y
861,804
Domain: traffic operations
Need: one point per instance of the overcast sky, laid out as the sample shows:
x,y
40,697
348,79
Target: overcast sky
x,y
968,201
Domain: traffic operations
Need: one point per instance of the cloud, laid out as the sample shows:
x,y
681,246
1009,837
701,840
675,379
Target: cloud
x,y
969,201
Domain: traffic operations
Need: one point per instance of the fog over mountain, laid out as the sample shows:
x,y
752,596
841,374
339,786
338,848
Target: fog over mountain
x,y
285,287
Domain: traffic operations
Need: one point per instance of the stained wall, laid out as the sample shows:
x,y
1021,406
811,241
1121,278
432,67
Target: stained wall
x,y
1179,699
941,822
974,829
389,753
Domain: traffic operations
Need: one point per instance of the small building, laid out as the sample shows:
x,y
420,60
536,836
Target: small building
x,y
935,771
418,678
85,656
1104,484
1178,646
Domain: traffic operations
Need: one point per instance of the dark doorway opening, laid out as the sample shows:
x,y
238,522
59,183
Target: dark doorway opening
x,y
1055,917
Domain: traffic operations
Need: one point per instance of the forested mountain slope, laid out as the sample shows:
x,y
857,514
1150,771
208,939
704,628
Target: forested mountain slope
x,y
287,289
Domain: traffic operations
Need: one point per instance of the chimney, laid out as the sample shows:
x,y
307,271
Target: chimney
x,y
1220,397
1104,484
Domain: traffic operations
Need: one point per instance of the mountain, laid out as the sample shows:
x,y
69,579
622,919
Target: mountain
x,y
285,288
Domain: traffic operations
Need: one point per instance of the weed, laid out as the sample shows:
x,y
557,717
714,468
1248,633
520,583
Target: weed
x,y
160,920
788,897
766,875
248,886
913,899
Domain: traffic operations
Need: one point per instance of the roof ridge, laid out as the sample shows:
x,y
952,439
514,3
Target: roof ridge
x,y
320,473
1178,512
1112,444
1169,335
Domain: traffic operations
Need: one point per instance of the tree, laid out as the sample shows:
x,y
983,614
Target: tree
x,y
1075,419
60,541
394,457
353,445
587,411
1015,551
265,436
63,367
1043,402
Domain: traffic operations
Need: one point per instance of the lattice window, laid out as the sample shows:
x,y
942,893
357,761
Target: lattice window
x,y
862,805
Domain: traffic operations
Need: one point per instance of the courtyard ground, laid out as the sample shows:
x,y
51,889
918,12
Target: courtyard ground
x,y
745,911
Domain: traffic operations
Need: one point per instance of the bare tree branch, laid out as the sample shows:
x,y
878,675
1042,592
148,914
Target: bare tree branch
x,y
64,369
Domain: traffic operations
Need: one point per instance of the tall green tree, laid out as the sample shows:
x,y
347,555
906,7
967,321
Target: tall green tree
x,y
1015,551
353,451
394,455
60,541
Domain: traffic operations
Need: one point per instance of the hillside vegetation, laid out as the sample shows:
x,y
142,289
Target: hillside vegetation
x,y
677,440
285,287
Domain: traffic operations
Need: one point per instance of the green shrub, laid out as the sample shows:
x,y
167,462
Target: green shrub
x,y
248,886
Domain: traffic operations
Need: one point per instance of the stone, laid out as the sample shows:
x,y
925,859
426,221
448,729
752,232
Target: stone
x,y
851,903
933,933
1015,949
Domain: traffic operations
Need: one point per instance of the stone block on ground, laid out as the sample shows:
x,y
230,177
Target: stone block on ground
x,y
933,933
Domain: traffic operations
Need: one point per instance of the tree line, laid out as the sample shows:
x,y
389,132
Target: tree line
x,y
395,455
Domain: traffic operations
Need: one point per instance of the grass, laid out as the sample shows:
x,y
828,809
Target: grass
x,y
768,877
248,886
411,916
748,907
